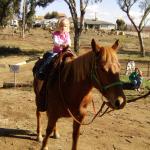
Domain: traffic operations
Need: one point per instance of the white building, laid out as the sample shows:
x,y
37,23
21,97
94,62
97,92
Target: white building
x,y
97,24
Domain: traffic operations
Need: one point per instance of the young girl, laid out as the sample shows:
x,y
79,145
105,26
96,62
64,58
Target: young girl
x,y
61,39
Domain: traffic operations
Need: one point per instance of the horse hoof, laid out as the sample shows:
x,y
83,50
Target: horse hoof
x,y
56,135
45,148
40,139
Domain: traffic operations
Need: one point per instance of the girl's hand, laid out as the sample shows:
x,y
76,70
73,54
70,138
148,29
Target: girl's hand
x,y
64,45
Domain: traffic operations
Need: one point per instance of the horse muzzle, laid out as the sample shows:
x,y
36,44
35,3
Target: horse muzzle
x,y
119,103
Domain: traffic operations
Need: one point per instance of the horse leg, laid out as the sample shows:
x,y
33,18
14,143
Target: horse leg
x,y
39,133
56,134
76,131
50,127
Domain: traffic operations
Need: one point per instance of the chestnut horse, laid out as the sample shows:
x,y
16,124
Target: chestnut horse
x,y
98,68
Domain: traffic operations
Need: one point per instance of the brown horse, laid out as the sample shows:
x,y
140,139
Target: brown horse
x,y
98,68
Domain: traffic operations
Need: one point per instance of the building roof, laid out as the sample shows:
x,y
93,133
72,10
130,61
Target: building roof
x,y
93,22
97,22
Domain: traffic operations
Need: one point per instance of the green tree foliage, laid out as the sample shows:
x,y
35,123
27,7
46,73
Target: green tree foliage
x,y
30,8
120,25
43,3
78,25
8,8
54,14
29,11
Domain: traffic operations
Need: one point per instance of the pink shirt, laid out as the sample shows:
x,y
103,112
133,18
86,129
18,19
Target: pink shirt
x,y
59,39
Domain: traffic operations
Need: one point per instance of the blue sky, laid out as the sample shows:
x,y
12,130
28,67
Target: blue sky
x,y
108,10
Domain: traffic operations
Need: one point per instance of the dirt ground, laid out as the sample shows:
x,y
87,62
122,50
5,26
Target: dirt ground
x,y
127,129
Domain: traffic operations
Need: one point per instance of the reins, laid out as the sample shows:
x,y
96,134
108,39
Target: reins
x,y
94,76
140,97
100,110
69,111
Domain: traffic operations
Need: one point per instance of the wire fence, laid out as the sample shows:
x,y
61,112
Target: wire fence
x,y
144,66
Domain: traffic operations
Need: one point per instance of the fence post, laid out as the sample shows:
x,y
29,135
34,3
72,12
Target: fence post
x,y
14,69
148,70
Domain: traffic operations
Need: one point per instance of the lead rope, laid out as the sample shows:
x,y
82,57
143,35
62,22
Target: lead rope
x,y
100,110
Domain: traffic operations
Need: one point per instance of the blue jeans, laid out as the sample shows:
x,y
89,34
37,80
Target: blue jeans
x,y
48,56
136,83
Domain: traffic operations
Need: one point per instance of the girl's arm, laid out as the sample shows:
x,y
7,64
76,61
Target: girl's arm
x,y
67,40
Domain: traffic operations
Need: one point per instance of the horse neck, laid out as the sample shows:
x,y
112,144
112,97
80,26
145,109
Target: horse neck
x,y
80,68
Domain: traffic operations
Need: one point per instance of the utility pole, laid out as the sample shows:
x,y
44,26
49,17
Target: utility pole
x,y
23,18
95,16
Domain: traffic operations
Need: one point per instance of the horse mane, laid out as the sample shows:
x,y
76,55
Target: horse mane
x,y
79,68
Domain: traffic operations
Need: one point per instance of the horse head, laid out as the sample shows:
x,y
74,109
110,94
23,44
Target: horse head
x,y
105,74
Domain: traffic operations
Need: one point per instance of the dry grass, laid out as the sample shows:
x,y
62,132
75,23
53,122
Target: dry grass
x,y
39,40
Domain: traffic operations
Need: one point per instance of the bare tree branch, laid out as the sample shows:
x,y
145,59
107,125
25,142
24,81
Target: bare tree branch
x,y
126,6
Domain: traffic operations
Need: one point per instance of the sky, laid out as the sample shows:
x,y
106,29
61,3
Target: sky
x,y
107,10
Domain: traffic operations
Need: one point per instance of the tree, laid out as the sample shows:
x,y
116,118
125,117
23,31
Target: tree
x,y
144,5
78,20
43,3
78,25
54,14
8,8
29,11
120,24
30,8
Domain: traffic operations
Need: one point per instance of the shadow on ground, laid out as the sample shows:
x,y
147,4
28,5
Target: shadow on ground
x,y
17,133
8,51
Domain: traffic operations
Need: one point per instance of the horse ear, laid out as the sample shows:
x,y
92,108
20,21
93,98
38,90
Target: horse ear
x,y
115,46
94,45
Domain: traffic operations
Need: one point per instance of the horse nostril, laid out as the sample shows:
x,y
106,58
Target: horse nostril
x,y
120,102
117,104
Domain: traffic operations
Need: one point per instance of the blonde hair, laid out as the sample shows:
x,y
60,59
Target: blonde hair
x,y
61,22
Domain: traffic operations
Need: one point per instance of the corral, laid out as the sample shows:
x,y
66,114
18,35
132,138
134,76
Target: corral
x,y
120,130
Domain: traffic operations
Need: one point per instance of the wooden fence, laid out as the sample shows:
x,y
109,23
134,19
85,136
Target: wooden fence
x,y
26,71
144,66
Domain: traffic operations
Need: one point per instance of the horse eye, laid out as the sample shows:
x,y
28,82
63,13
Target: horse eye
x,y
102,69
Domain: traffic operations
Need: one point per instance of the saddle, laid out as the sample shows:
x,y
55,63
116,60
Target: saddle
x,y
57,60
52,72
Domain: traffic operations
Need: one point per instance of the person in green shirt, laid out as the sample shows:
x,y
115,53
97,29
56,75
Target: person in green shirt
x,y
136,78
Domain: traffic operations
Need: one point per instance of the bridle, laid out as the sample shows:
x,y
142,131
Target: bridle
x,y
102,88
94,77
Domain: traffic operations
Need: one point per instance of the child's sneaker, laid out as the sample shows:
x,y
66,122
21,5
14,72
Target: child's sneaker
x,y
139,90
